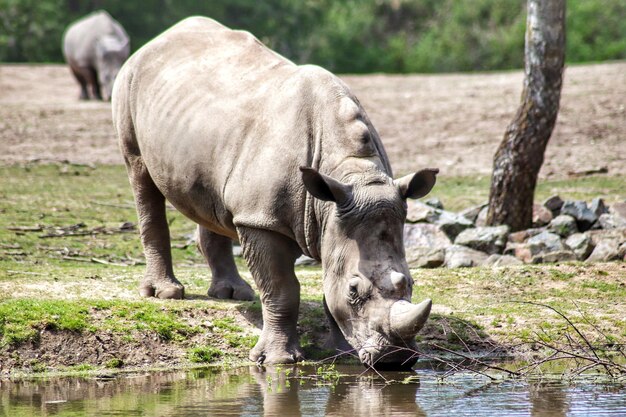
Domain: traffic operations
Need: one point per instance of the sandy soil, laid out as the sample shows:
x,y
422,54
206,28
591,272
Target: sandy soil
x,y
453,122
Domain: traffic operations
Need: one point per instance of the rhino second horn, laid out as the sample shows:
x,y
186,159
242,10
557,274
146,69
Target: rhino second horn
x,y
398,279
406,319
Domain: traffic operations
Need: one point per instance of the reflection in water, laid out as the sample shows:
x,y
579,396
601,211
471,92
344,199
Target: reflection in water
x,y
370,398
300,391
548,400
280,398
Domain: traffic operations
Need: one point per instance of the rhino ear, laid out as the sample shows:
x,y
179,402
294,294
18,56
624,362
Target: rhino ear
x,y
324,187
417,185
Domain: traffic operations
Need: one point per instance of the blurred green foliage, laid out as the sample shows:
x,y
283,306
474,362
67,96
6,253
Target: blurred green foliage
x,y
349,36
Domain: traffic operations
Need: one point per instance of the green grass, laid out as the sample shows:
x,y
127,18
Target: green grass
x,y
21,319
204,354
99,198
241,341
458,193
227,324
125,317
114,363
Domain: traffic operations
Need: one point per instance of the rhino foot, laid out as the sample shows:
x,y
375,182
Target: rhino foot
x,y
270,354
170,291
231,289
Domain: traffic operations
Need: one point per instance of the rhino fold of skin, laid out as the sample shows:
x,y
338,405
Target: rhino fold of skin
x,y
283,158
95,47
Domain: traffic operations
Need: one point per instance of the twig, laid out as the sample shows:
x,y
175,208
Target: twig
x,y
594,359
76,258
124,206
10,246
105,262
36,228
92,260
573,327
498,368
69,234
24,272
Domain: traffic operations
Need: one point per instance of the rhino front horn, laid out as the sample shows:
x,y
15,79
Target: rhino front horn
x,y
406,319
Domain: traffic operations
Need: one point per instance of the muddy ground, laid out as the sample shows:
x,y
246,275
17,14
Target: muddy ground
x,y
453,121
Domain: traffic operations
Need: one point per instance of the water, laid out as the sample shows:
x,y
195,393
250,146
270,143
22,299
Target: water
x,y
305,391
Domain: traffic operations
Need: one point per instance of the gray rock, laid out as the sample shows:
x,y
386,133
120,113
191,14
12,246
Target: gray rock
x,y
541,215
543,247
598,207
496,260
585,218
305,260
421,257
418,212
460,257
451,223
481,219
555,256
619,210
434,202
471,213
545,242
605,251
619,235
521,251
485,239
621,251
563,225
611,221
580,244
425,235
522,235
554,204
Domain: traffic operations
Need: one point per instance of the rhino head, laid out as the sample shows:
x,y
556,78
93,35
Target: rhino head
x,y
111,53
367,283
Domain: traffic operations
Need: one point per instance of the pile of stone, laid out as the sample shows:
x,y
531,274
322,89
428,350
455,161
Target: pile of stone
x,y
562,231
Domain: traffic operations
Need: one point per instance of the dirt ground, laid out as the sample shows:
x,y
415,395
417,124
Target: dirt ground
x,y
453,121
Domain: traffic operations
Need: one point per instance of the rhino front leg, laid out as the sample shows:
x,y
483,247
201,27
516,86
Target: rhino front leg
x,y
226,281
270,257
159,280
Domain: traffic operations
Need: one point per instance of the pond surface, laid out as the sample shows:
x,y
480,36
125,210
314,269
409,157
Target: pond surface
x,y
306,391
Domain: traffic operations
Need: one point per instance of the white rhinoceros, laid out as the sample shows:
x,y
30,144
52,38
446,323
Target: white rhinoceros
x,y
95,47
283,158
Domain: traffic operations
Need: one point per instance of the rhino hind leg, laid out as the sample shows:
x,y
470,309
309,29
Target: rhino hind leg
x,y
95,84
225,282
82,80
159,280
270,257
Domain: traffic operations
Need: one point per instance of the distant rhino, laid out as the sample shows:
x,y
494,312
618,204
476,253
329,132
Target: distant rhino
x,y
95,47
283,158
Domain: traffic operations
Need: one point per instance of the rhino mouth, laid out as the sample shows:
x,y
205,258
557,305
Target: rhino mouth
x,y
388,356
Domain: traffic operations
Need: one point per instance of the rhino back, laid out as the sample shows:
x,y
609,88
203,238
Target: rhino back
x,y
80,38
223,123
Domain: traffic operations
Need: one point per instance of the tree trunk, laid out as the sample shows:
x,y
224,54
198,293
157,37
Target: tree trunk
x,y
519,157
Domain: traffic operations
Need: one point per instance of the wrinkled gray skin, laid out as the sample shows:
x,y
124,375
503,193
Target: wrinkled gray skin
x,y
283,158
95,47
